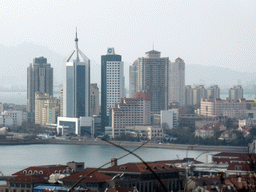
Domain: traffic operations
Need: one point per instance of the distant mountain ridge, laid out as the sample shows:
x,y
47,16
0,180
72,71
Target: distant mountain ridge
x,y
15,60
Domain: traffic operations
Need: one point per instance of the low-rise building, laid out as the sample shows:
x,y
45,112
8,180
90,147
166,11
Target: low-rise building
x,y
11,118
145,132
219,107
228,135
169,118
78,126
204,132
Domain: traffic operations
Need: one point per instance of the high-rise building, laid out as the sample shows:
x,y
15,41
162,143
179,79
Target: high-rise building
x,y
94,99
150,74
131,112
177,82
76,89
46,109
236,92
188,95
39,79
213,92
198,93
112,84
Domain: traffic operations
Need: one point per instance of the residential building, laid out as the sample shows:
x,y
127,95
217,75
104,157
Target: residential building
x,y
46,109
204,132
188,95
112,84
131,112
236,92
169,119
176,90
39,79
150,74
11,118
145,132
199,92
61,103
228,135
76,89
219,107
94,99
213,92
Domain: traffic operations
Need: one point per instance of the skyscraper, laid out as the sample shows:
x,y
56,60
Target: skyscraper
x,y
188,95
199,92
213,92
39,79
150,74
112,83
76,89
177,82
94,100
236,92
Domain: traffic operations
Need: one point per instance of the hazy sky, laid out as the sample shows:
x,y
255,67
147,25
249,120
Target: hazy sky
x,y
206,32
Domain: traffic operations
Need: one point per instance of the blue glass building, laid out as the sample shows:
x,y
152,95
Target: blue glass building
x,y
76,90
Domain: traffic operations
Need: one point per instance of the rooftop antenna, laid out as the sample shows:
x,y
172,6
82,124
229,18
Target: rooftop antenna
x,y
76,40
153,46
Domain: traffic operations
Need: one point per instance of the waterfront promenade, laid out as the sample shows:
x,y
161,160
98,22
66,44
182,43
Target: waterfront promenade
x,y
155,145
91,141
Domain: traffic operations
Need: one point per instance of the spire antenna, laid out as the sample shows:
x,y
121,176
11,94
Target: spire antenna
x,y
76,39
153,46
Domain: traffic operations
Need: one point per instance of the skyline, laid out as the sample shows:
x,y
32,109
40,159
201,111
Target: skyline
x,y
203,32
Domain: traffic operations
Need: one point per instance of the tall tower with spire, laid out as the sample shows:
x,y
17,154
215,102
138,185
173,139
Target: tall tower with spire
x,y
76,90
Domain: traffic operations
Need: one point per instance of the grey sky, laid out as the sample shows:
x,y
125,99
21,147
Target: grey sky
x,y
206,32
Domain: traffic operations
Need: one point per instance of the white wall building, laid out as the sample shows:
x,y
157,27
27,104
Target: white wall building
x,y
115,83
11,118
79,126
131,112
145,132
169,118
176,92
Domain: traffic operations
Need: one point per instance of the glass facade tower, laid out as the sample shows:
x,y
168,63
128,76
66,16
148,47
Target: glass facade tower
x,y
76,90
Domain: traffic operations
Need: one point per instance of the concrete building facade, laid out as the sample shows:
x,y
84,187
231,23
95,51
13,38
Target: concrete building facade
x,y
112,84
213,92
236,92
169,119
150,74
176,91
218,107
131,112
94,99
188,95
39,79
199,92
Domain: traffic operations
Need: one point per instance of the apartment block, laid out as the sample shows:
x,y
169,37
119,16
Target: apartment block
x,y
219,107
131,112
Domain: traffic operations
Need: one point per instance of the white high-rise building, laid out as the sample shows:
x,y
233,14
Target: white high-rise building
x,y
115,82
188,95
176,93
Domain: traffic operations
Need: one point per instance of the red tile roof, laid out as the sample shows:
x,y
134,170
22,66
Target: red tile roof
x,y
45,170
234,157
141,168
94,177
